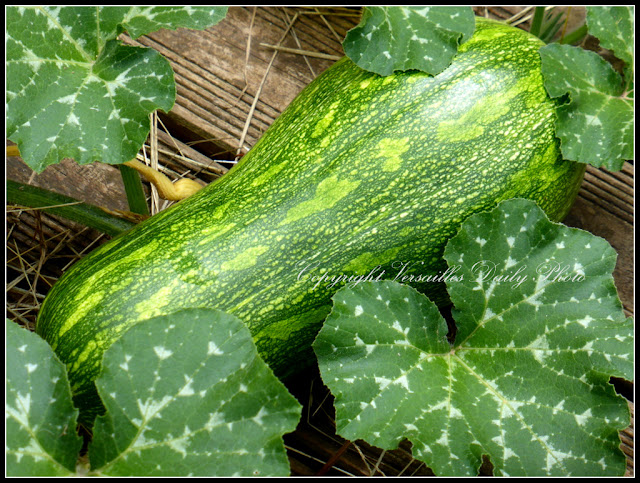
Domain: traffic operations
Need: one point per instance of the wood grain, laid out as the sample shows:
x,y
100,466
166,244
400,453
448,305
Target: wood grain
x,y
212,75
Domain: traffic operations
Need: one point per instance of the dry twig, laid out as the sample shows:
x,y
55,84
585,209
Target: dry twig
x,y
257,95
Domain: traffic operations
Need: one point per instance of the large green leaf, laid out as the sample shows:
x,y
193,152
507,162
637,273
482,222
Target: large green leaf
x,y
187,394
74,91
539,331
596,126
41,437
403,38
613,26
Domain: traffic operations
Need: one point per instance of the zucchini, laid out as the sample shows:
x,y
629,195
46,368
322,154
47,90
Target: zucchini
x,y
359,171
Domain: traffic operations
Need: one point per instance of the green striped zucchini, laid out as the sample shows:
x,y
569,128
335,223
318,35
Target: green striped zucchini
x,y
359,171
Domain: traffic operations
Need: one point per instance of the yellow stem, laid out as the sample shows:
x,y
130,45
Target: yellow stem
x,y
13,150
181,189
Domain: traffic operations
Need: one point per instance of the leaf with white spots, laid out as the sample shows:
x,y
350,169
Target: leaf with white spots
x,y
187,394
75,91
596,126
424,38
40,419
526,380
613,26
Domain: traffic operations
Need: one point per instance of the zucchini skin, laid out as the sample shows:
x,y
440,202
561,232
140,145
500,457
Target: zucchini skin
x,y
359,171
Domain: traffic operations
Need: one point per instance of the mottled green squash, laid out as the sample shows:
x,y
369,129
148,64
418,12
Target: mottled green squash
x,y
359,171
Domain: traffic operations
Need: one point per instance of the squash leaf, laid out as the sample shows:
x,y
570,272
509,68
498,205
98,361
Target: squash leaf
x,y
404,38
75,91
187,394
539,331
597,125
613,26
41,437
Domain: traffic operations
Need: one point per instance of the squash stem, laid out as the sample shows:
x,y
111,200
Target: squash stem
x,y
111,223
133,187
536,23
575,36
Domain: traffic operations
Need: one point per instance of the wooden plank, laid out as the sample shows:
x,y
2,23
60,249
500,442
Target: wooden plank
x,y
212,70
93,183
